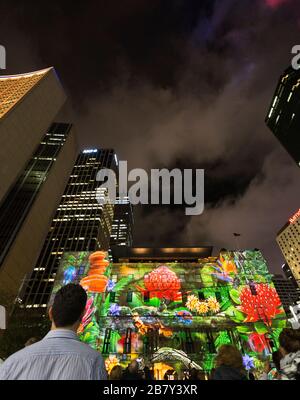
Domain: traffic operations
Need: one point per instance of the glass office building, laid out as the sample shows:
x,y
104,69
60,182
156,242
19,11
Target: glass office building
x,y
79,224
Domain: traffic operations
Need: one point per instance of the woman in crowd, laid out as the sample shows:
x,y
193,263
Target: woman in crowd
x,y
229,364
289,340
116,373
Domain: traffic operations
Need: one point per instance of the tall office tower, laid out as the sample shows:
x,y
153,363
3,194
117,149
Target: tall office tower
x,y
36,158
287,292
79,224
122,225
284,113
28,105
288,239
27,209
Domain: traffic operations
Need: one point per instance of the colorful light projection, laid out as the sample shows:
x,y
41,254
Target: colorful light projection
x,y
135,309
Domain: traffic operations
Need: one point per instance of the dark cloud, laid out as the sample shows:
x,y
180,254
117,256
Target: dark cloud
x,y
176,83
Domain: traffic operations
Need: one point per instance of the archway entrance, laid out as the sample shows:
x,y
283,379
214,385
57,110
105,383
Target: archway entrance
x,y
171,362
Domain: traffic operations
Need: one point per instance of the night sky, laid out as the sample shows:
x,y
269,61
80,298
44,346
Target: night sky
x,y
175,83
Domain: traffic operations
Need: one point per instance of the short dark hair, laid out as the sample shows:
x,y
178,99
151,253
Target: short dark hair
x,y
68,305
289,339
276,357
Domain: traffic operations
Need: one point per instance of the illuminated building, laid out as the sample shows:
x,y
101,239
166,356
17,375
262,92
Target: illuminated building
x,y
28,105
172,308
288,239
79,224
287,292
284,116
122,225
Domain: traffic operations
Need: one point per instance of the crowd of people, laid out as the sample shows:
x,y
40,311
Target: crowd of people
x,y
61,355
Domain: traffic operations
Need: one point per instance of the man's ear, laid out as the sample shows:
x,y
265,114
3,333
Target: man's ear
x,y
50,314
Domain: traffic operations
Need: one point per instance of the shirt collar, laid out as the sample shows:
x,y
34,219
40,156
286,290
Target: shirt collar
x,y
61,333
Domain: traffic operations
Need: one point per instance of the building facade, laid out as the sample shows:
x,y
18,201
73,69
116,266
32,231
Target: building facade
x,y
28,105
172,308
284,116
122,225
289,295
79,224
288,239
27,209
287,272
36,157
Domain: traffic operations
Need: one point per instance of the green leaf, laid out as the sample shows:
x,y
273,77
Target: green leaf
x,y
225,305
120,285
235,296
260,327
136,300
244,329
153,302
234,314
279,323
105,306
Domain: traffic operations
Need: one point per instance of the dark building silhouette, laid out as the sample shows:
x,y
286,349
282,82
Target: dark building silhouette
x,y
284,113
287,292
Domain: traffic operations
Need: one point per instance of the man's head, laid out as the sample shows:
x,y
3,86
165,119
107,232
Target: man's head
x,y
68,307
133,366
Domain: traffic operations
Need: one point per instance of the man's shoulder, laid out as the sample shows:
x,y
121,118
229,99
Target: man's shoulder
x,y
17,356
84,347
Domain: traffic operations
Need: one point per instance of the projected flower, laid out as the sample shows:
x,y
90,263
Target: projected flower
x,y
110,286
163,283
227,266
202,307
114,310
213,304
192,302
248,362
262,306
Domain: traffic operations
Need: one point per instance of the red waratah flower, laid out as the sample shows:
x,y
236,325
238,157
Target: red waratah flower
x,y
163,283
258,342
263,306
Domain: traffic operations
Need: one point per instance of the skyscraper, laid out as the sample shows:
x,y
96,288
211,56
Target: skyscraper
x,y
122,225
28,105
287,292
79,224
289,275
26,211
288,239
284,113
36,157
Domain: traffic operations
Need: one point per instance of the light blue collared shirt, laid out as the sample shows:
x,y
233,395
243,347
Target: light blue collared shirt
x,y
59,356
